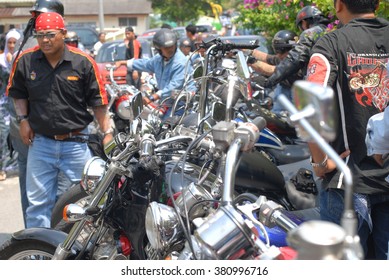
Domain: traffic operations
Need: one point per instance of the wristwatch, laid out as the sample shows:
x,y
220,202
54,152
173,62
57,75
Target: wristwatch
x,y
20,118
151,97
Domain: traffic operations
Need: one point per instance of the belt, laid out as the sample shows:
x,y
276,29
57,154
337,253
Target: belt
x,y
68,136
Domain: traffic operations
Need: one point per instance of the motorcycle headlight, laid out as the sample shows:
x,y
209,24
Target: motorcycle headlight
x,y
122,106
162,225
94,170
190,199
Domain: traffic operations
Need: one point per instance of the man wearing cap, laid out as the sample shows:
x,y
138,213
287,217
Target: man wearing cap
x,y
52,85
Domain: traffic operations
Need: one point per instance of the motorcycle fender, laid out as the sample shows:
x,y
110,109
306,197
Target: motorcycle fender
x,y
47,235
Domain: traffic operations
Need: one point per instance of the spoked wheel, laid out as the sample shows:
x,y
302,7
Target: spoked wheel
x,y
26,250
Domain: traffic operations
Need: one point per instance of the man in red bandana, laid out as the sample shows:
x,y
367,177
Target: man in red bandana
x,y
52,86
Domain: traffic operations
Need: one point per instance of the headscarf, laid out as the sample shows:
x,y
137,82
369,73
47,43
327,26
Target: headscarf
x,y
49,21
11,34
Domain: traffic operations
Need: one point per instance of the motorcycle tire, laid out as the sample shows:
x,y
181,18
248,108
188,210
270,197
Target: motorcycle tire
x,y
76,195
27,249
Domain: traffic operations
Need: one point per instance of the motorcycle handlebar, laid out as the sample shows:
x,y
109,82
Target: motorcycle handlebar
x,y
260,123
227,46
231,46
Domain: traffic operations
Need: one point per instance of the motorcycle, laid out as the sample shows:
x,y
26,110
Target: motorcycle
x,y
293,188
234,75
194,227
111,225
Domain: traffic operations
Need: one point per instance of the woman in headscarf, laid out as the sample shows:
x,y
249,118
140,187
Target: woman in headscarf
x,y
6,163
11,39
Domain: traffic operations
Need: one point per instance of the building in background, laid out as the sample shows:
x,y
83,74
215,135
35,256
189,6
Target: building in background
x,y
117,14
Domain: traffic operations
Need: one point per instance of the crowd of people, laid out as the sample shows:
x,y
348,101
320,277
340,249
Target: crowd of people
x,y
7,162
49,93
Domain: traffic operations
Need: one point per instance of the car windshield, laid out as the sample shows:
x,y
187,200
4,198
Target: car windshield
x,y
111,52
88,37
115,51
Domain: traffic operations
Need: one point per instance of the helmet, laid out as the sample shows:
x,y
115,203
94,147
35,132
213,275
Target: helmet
x,y
185,42
44,6
307,12
71,38
284,41
164,38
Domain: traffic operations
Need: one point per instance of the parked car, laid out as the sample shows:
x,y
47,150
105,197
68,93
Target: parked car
x,y
149,32
88,35
203,28
113,51
180,31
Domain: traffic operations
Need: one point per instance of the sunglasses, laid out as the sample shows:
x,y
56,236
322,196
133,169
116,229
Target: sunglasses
x,y
49,35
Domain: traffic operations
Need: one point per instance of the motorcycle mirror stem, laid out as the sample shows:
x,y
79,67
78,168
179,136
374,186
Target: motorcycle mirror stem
x,y
352,248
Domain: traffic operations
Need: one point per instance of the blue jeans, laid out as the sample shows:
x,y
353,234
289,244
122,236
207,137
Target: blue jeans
x,y
280,89
22,153
372,213
46,158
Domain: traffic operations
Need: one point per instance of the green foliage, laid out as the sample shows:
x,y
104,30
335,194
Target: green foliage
x,y
179,11
270,16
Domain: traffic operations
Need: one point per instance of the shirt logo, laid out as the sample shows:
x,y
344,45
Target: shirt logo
x,y
73,78
32,75
368,79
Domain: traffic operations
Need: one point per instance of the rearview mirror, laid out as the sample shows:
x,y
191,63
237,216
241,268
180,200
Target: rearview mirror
x,y
317,104
114,54
243,72
136,106
218,111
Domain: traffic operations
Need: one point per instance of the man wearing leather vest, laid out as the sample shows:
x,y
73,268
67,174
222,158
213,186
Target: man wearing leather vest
x,y
311,20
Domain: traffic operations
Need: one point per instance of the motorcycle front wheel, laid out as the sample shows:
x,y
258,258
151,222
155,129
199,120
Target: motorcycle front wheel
x,y
27,249
76,195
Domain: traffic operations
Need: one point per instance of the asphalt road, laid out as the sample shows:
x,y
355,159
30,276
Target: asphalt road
x,y
11,218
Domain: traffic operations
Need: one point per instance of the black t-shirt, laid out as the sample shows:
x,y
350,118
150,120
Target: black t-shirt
x,y
133,50
58,98
352,60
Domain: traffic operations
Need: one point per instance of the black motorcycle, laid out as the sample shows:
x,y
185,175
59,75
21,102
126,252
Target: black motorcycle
x,y
111,225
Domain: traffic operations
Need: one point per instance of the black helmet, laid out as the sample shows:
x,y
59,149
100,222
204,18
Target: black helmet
x,y
164,38
306,13
44,6
185,42
284,40
71,37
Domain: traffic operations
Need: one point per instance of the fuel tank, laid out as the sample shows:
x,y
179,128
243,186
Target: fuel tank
x,y
256,172
275,123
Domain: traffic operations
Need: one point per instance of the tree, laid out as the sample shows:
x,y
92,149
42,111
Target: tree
x,y
270,16
180,11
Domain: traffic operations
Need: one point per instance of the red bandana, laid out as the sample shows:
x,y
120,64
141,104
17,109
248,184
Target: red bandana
x,y
49,21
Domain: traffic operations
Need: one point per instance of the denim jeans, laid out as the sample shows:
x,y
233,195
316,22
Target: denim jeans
x,y
22,153
372,212
280,89
46,158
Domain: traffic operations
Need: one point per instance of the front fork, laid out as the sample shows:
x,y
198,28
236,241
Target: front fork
x,y
63,250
